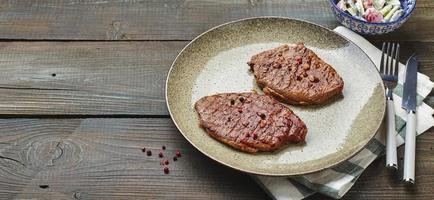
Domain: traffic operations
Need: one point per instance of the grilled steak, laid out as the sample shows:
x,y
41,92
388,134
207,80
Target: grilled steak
x,y
295,75
249,122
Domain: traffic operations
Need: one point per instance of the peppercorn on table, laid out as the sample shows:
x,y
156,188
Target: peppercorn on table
x,y
82,107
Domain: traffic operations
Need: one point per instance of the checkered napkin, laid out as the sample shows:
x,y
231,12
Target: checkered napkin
x,y
336,181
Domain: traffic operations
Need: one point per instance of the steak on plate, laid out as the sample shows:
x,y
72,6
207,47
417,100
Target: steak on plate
x,y
295,75
249,121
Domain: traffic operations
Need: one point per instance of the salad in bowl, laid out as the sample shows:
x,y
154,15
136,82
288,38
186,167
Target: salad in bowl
x,y
372,17
372,10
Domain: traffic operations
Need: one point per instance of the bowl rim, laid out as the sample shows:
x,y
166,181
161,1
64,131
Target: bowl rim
x,y
406,15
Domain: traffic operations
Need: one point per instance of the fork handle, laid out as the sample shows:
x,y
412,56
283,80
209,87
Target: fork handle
x,y
391,157
410,148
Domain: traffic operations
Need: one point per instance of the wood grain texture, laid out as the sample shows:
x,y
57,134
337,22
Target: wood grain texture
x,y
183,19
85,77
379,183
105,78
98,158
103,159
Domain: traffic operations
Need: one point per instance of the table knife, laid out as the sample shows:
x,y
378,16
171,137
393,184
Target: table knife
x,y
409,104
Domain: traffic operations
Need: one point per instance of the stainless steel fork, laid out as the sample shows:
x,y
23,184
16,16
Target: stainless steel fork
x,y
389,74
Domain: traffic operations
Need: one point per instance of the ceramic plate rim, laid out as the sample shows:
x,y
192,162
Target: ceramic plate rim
x,y
263,173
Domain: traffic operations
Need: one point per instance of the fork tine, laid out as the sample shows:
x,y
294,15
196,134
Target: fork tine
x,y
387,59
382,58
392,58
396,60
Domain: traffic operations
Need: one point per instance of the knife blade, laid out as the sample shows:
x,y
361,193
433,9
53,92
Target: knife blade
x,y
410,84
409,103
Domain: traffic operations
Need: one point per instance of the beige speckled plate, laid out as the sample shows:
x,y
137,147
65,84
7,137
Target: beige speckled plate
x,y
215,62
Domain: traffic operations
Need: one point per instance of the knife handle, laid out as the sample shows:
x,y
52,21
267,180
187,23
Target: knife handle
x,y
391,156
410,148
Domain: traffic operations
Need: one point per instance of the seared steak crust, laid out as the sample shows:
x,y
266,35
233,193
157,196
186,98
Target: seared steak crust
x,y
295,75
249,122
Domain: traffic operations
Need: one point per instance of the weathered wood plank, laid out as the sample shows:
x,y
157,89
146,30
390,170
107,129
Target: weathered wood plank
x,y
378,183
170,19
392,187
104,78
85,77
102,158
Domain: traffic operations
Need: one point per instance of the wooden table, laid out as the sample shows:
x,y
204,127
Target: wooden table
x,y
82,92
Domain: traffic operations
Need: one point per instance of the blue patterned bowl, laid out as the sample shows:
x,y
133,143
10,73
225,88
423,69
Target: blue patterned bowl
x,y
372,28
